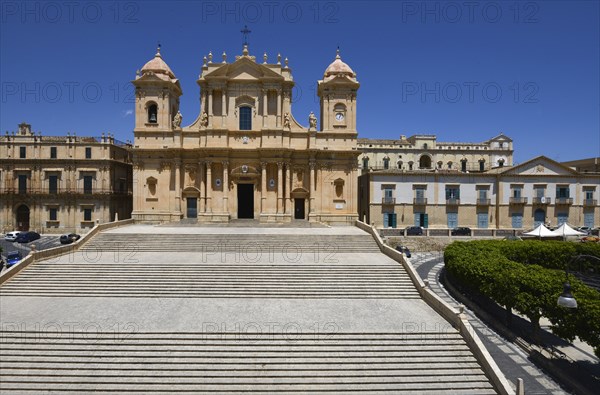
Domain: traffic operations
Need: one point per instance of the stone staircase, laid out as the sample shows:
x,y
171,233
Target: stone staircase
x,y
369,351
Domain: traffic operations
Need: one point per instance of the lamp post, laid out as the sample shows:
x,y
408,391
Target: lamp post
x,y
566,299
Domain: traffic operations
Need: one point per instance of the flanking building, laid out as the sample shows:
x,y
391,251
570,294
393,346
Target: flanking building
x,y
424,152
57,184
244,155
539,190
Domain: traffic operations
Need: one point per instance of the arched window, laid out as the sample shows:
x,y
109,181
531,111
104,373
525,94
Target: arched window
x,y
500,162
365,163
424,162
386,163
152,113
245,118
450,165
399,164
410,165
482,165
440,164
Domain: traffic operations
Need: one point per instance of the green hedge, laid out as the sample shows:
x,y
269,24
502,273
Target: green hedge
x,y
528,277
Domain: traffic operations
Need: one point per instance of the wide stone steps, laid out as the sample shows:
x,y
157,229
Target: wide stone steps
x,y
210,362
232,243
48,278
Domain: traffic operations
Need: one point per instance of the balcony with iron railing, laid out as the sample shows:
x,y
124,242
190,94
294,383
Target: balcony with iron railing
x,y
483,202
542,200
563,201
388,200
590,202
63,191
420,201
518,200
452,201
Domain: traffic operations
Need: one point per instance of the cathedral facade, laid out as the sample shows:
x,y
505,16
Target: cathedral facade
x,y
245,155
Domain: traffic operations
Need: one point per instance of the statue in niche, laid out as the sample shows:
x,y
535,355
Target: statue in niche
x,y
286,121
312,121
177,120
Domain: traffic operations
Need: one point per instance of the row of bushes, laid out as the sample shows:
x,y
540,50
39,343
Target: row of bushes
x,y
528,277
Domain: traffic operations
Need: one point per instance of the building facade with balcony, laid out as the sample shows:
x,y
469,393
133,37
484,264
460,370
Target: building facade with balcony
x,y
58,184
517,198
424,152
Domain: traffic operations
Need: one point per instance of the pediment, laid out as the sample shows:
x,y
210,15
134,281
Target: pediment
x,y
540,166
501,138
243,70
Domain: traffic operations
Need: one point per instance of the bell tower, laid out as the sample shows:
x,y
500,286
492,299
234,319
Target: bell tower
x,y
337,93
157,94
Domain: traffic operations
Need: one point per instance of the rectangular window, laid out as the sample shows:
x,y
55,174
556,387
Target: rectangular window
x,y
22,183
589,194
483,194
52,152
88,152
562,192
245,118
22,152
463,166
87,214
87,184
482,220
53,214
539,192
481,165
517,220
53,184
452,193
452,220
517,191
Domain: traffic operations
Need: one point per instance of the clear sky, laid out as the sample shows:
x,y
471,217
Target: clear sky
x,y
464,70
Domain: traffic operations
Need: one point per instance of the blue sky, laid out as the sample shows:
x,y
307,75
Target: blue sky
x,y
464,71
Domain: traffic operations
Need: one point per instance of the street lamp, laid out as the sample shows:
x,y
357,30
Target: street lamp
x,y
566,299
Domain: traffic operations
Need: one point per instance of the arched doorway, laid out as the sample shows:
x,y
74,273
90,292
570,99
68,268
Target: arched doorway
x,y
23,218
539,217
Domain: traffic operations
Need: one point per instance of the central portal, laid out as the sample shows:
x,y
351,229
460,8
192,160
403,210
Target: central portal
x,y
245,197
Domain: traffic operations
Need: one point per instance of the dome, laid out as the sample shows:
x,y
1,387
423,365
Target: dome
x,y
158,65
339,67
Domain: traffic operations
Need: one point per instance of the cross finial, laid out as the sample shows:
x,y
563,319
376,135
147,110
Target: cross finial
x,y
245,32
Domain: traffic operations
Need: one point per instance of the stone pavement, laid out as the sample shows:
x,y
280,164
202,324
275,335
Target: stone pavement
x,y
513,362
227,309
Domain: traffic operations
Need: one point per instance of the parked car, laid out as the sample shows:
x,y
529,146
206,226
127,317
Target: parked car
x,y
414,230
11,236
403,250
27,237
69,238
13,258
461,231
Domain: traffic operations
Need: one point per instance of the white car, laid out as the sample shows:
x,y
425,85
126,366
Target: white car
x,y
11,236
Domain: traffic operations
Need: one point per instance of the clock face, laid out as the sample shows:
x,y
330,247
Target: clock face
x,y
339,116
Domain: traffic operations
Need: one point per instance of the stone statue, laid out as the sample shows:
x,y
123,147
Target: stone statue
x,y
204,119
312,121
286,121
177,120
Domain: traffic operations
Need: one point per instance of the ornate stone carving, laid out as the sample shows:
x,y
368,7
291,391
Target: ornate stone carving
x,y
177,120
204,120
312,121
286,121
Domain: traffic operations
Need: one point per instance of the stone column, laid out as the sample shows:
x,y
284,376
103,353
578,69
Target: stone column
x,y
287,201
279,187
201,186
265,93
225,186
210,108
263,187
223,108
312,185
279,123
209,184
177,165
